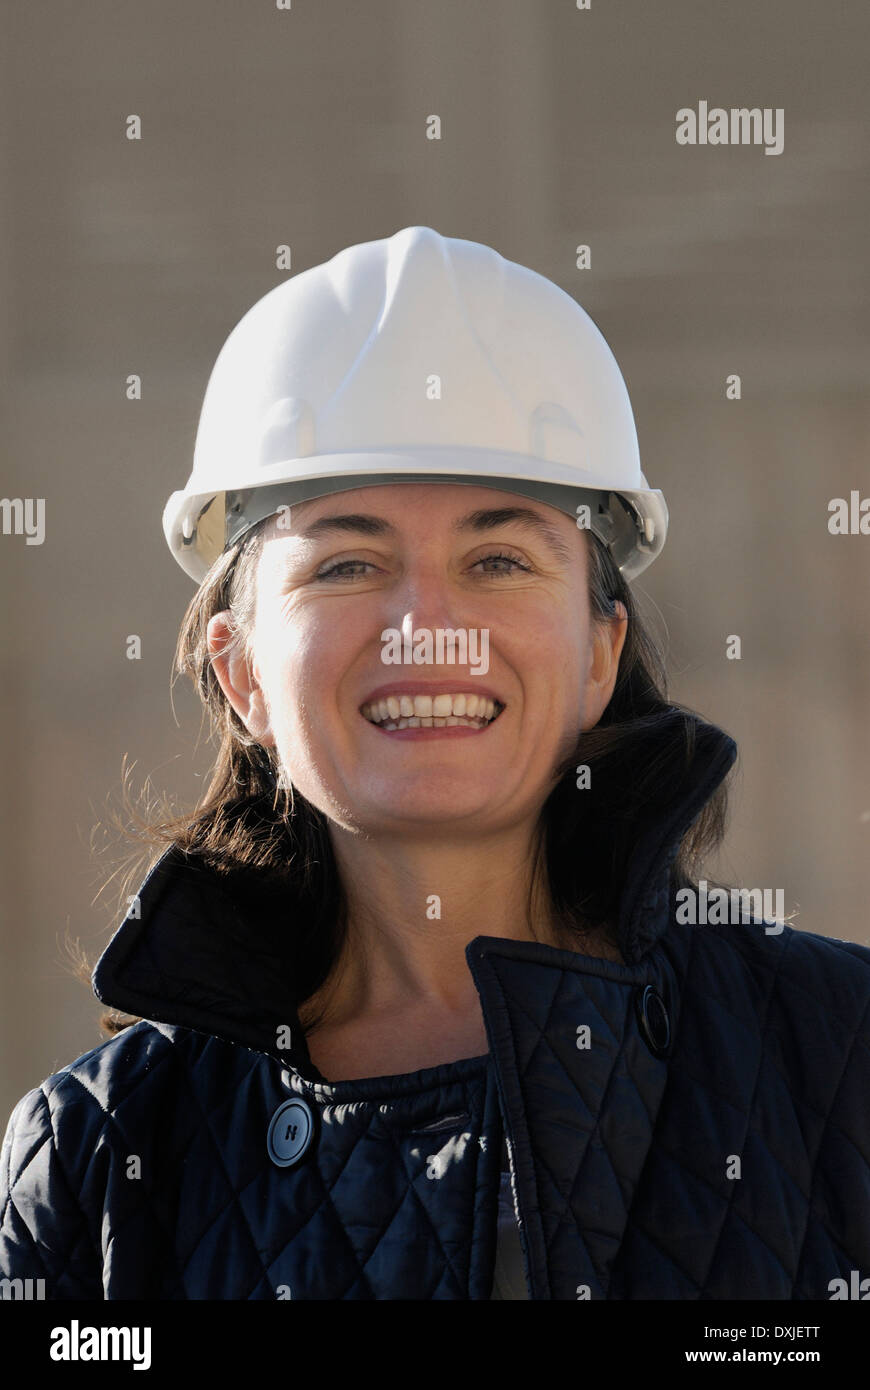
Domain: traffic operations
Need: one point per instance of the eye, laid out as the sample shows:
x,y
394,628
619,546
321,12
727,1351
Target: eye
x,y
341,569
509,559
332,571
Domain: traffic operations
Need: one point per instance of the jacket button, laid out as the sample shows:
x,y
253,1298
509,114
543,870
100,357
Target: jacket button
x,y
654,1022
290,1133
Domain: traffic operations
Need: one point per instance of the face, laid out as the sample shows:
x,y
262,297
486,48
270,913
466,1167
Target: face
x,y
342,574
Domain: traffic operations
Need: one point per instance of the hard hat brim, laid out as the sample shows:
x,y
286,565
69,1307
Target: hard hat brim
x,y
200,525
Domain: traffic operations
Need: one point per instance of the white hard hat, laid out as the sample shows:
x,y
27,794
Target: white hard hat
x,y
417,358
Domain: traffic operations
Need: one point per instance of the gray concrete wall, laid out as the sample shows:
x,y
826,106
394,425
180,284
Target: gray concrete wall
x,y
307,126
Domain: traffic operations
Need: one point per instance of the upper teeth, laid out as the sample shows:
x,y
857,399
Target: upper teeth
x,y
430,706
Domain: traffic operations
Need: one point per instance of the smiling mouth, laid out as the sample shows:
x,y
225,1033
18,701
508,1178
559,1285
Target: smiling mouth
x,y
432,711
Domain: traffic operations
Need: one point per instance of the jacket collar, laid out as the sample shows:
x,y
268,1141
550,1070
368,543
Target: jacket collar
x,y
204,951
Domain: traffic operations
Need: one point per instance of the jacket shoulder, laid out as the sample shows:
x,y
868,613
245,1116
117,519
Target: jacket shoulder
x,y
831,978
831,953
796,953
776,979
61,1139
87,1093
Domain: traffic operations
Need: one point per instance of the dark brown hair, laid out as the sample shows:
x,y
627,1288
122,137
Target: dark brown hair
x,y
637,756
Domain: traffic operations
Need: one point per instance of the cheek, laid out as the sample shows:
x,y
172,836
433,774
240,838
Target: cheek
x,y
554,651
301,659
279,653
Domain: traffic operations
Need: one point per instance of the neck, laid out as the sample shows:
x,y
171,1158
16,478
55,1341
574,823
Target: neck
x,y
412,908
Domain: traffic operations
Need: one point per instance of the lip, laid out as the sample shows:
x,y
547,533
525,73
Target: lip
x,y
456,730
434,688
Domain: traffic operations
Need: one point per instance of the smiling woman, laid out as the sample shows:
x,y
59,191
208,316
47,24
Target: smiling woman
x,y
302,673
411,1011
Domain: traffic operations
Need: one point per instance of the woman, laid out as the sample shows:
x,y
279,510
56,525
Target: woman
x,y
422,1014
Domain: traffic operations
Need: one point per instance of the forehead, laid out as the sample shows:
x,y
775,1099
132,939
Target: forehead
x,y
405,509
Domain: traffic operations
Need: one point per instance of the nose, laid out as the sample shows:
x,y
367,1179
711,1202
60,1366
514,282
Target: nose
x,y
434,616
426,600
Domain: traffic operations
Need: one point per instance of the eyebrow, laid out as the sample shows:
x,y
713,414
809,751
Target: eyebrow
x,y
484,519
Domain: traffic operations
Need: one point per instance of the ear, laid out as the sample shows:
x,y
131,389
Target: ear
x,y
608,639
238,678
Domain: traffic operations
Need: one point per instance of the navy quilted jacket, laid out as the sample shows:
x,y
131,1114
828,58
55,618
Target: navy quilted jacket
x,y
200,1155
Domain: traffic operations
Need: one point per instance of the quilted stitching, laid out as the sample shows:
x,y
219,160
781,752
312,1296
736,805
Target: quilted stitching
x,y
619,1156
